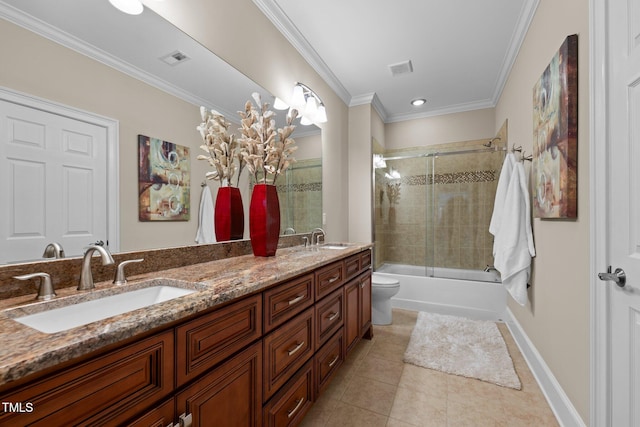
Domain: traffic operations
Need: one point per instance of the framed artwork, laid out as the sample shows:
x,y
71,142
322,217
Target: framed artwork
x,y
555,135
163,180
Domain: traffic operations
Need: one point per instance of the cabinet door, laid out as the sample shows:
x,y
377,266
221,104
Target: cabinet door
x,y
106,390
365,306
228,396
352,316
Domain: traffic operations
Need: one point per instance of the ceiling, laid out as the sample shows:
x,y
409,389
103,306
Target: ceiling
x,y
461,50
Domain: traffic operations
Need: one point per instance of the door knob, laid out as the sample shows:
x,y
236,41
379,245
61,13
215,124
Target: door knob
x,y
618,276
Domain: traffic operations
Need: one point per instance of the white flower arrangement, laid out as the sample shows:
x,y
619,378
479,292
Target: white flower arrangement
x,y
267,151
221,147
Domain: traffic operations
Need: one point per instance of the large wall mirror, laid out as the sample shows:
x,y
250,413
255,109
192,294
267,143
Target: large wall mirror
x,y
150,78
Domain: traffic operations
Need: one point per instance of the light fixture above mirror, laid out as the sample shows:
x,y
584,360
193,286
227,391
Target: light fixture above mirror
x,y
131,7
309,105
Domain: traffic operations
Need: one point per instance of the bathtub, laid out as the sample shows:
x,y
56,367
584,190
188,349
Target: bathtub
x,y
468,293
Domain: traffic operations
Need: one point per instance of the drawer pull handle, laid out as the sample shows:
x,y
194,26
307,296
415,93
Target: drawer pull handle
x,y
295,349
333,362
296,299
334,278
293,411
333,316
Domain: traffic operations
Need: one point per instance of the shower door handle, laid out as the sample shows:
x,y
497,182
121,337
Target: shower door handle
x,y
619,277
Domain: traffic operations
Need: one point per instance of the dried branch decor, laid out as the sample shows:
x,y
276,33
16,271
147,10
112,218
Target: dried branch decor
x,y
221,147
266,150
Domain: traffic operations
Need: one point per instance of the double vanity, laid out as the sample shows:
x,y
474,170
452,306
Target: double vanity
x,y
241,341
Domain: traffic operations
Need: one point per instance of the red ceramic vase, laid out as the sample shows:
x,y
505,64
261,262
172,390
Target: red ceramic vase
x,y
264,220
228,214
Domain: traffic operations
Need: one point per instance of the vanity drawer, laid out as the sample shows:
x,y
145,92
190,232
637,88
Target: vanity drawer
x,y
329,316
365,259
328,360
289,406
208,340
352,266
285,350
106,390
285,301
329,278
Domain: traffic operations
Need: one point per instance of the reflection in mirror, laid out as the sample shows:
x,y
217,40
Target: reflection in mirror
x,y
151,50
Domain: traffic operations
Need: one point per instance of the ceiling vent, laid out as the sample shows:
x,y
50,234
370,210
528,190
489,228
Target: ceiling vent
x,y
175,58
401,68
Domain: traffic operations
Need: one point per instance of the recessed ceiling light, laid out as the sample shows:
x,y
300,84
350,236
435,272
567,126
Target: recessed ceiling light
x,y
418,102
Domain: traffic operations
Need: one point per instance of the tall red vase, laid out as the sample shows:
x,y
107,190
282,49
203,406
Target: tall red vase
x,y
264,220
228,214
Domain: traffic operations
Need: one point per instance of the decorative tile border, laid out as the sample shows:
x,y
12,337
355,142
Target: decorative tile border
x,y
450,178
302,187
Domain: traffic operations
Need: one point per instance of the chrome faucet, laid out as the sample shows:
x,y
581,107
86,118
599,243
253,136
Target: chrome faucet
x,y
316,233
86,277
53,250
489,268
121,278
45,290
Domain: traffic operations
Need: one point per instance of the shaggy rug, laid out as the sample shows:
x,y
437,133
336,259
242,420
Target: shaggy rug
x,y
455,345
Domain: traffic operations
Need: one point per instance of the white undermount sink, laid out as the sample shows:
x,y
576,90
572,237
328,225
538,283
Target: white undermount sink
x,y
334,246
83,313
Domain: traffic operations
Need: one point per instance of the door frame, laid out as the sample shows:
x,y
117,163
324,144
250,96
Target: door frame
x,y
600,349
112,130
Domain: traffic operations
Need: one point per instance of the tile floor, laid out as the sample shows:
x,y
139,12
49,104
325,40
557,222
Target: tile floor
x,y
375,388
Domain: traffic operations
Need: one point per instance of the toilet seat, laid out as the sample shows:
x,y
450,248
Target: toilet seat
x,y
383,282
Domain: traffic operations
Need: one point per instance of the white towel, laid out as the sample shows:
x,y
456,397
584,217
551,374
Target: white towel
x,y
514,240
501,194
206,231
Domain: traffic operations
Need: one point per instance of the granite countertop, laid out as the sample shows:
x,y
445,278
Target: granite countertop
x,y
24,351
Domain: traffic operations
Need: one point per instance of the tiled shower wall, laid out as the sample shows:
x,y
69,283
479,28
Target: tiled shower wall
x,y
442,215
301,196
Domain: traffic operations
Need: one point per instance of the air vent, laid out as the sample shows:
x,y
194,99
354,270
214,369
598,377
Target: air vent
x,y
175,58
401,68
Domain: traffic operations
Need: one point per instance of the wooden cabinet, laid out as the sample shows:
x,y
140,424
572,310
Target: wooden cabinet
x,y
284,301
161,416
107,390
328,360
289,406
228,396
329,316
208,340
259,360
329,278
285,350
357,298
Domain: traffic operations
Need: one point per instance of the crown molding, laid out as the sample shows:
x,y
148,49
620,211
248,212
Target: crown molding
x,y
459,108
370,98
67,40
281,21
517,38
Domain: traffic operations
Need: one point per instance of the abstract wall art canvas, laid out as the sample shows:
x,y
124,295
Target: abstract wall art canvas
x,y
555,135
163,180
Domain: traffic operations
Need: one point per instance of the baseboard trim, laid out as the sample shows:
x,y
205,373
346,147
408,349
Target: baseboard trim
x,y
561,406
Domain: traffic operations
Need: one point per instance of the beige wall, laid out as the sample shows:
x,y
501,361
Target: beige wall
x,y
360,163
557,318
455,127
47,70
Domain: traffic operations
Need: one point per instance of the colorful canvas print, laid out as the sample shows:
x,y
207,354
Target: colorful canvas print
x,y
555,135
163,180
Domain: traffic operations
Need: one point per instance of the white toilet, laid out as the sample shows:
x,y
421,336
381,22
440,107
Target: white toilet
x,y
383,288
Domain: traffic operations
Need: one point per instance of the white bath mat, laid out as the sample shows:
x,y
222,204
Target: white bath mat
x,y
455,345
